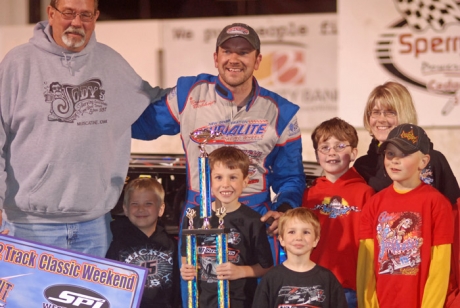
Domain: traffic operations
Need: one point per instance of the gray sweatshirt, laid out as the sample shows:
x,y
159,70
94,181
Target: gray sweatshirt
x,y
66,129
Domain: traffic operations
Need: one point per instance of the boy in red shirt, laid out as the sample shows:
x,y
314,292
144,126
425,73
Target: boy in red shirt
x,y
406,231
337,199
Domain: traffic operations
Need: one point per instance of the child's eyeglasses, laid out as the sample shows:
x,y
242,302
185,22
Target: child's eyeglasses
x,y
337,148
390,154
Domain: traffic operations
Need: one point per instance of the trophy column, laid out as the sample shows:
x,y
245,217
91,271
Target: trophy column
x,y
203,136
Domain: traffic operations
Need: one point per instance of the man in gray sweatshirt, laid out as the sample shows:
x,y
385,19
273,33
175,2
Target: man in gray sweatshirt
x,y
67,104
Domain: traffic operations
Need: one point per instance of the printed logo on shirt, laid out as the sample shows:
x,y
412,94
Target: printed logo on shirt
x,y
70,102
399,238
200,103
335,206
427,175
158,262
301,296
244,131
234,237
254,161
294,129
206,252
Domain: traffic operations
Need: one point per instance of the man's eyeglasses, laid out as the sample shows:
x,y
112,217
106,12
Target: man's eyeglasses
x,y
71,15
337,148
386,113
390,154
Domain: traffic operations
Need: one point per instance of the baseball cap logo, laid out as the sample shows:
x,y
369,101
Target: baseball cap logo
x,y
409,136
238,30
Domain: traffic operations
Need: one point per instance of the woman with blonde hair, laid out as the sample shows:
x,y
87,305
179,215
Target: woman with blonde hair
x,y
389,105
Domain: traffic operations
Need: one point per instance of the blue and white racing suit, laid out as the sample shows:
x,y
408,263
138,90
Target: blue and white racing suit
x,y
265,129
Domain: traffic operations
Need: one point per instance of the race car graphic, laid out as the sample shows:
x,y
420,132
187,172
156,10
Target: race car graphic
x,y
207,256
393,263
302,295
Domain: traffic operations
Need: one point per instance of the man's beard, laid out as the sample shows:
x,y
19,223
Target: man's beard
x,y
74,42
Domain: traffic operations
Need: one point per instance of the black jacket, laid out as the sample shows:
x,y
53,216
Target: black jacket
x,y
158,253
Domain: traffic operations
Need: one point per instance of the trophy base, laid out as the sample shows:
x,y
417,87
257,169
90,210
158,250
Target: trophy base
x,y
205,231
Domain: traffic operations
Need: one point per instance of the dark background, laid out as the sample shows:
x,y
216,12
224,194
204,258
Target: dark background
x,y
158,9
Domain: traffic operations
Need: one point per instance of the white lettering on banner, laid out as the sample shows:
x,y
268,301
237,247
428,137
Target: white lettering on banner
x,y
77,299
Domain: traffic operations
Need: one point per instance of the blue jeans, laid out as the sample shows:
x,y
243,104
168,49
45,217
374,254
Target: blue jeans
x,y
89,237
352,300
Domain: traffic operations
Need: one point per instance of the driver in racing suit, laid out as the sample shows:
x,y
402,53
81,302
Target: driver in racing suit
x,y
251,118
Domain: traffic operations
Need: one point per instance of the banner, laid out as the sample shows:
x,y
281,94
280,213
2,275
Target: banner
x,y
36,275
416,43
299,57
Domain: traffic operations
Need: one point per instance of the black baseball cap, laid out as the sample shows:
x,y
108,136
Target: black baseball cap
x,y
239,30
409,138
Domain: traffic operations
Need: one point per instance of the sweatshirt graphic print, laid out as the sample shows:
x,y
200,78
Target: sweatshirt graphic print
x,y
69,102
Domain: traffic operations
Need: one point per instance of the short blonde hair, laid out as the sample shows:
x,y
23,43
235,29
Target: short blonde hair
x,y
147,184
391,96
303,214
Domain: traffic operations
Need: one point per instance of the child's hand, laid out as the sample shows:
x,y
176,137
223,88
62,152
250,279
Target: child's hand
x,y
187,271
4,232
229,271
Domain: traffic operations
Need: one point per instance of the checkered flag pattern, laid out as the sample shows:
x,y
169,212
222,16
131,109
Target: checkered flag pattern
x,y
422,14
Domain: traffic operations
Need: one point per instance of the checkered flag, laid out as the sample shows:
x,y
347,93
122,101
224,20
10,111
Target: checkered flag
x,y
422,14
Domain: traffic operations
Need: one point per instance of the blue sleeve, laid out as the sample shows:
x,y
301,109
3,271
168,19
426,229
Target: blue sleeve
x,y
162,116
155,121
287,175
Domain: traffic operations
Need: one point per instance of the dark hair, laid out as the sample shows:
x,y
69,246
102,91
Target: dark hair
x,y
147,184
230,157
337,128
54,3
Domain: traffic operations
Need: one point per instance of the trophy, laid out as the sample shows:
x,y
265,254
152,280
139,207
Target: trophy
x,y
220,233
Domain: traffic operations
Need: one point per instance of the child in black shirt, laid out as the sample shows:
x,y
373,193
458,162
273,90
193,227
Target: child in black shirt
x,y
139,240
298,281
249,251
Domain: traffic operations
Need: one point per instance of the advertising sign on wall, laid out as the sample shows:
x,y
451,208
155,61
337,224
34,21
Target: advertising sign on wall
x,y
35,275
416,43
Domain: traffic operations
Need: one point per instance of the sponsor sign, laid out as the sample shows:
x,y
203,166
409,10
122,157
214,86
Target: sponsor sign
x,y
36,275
416,43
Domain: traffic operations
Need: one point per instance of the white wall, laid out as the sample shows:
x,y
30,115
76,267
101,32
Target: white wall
x,y
14,12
